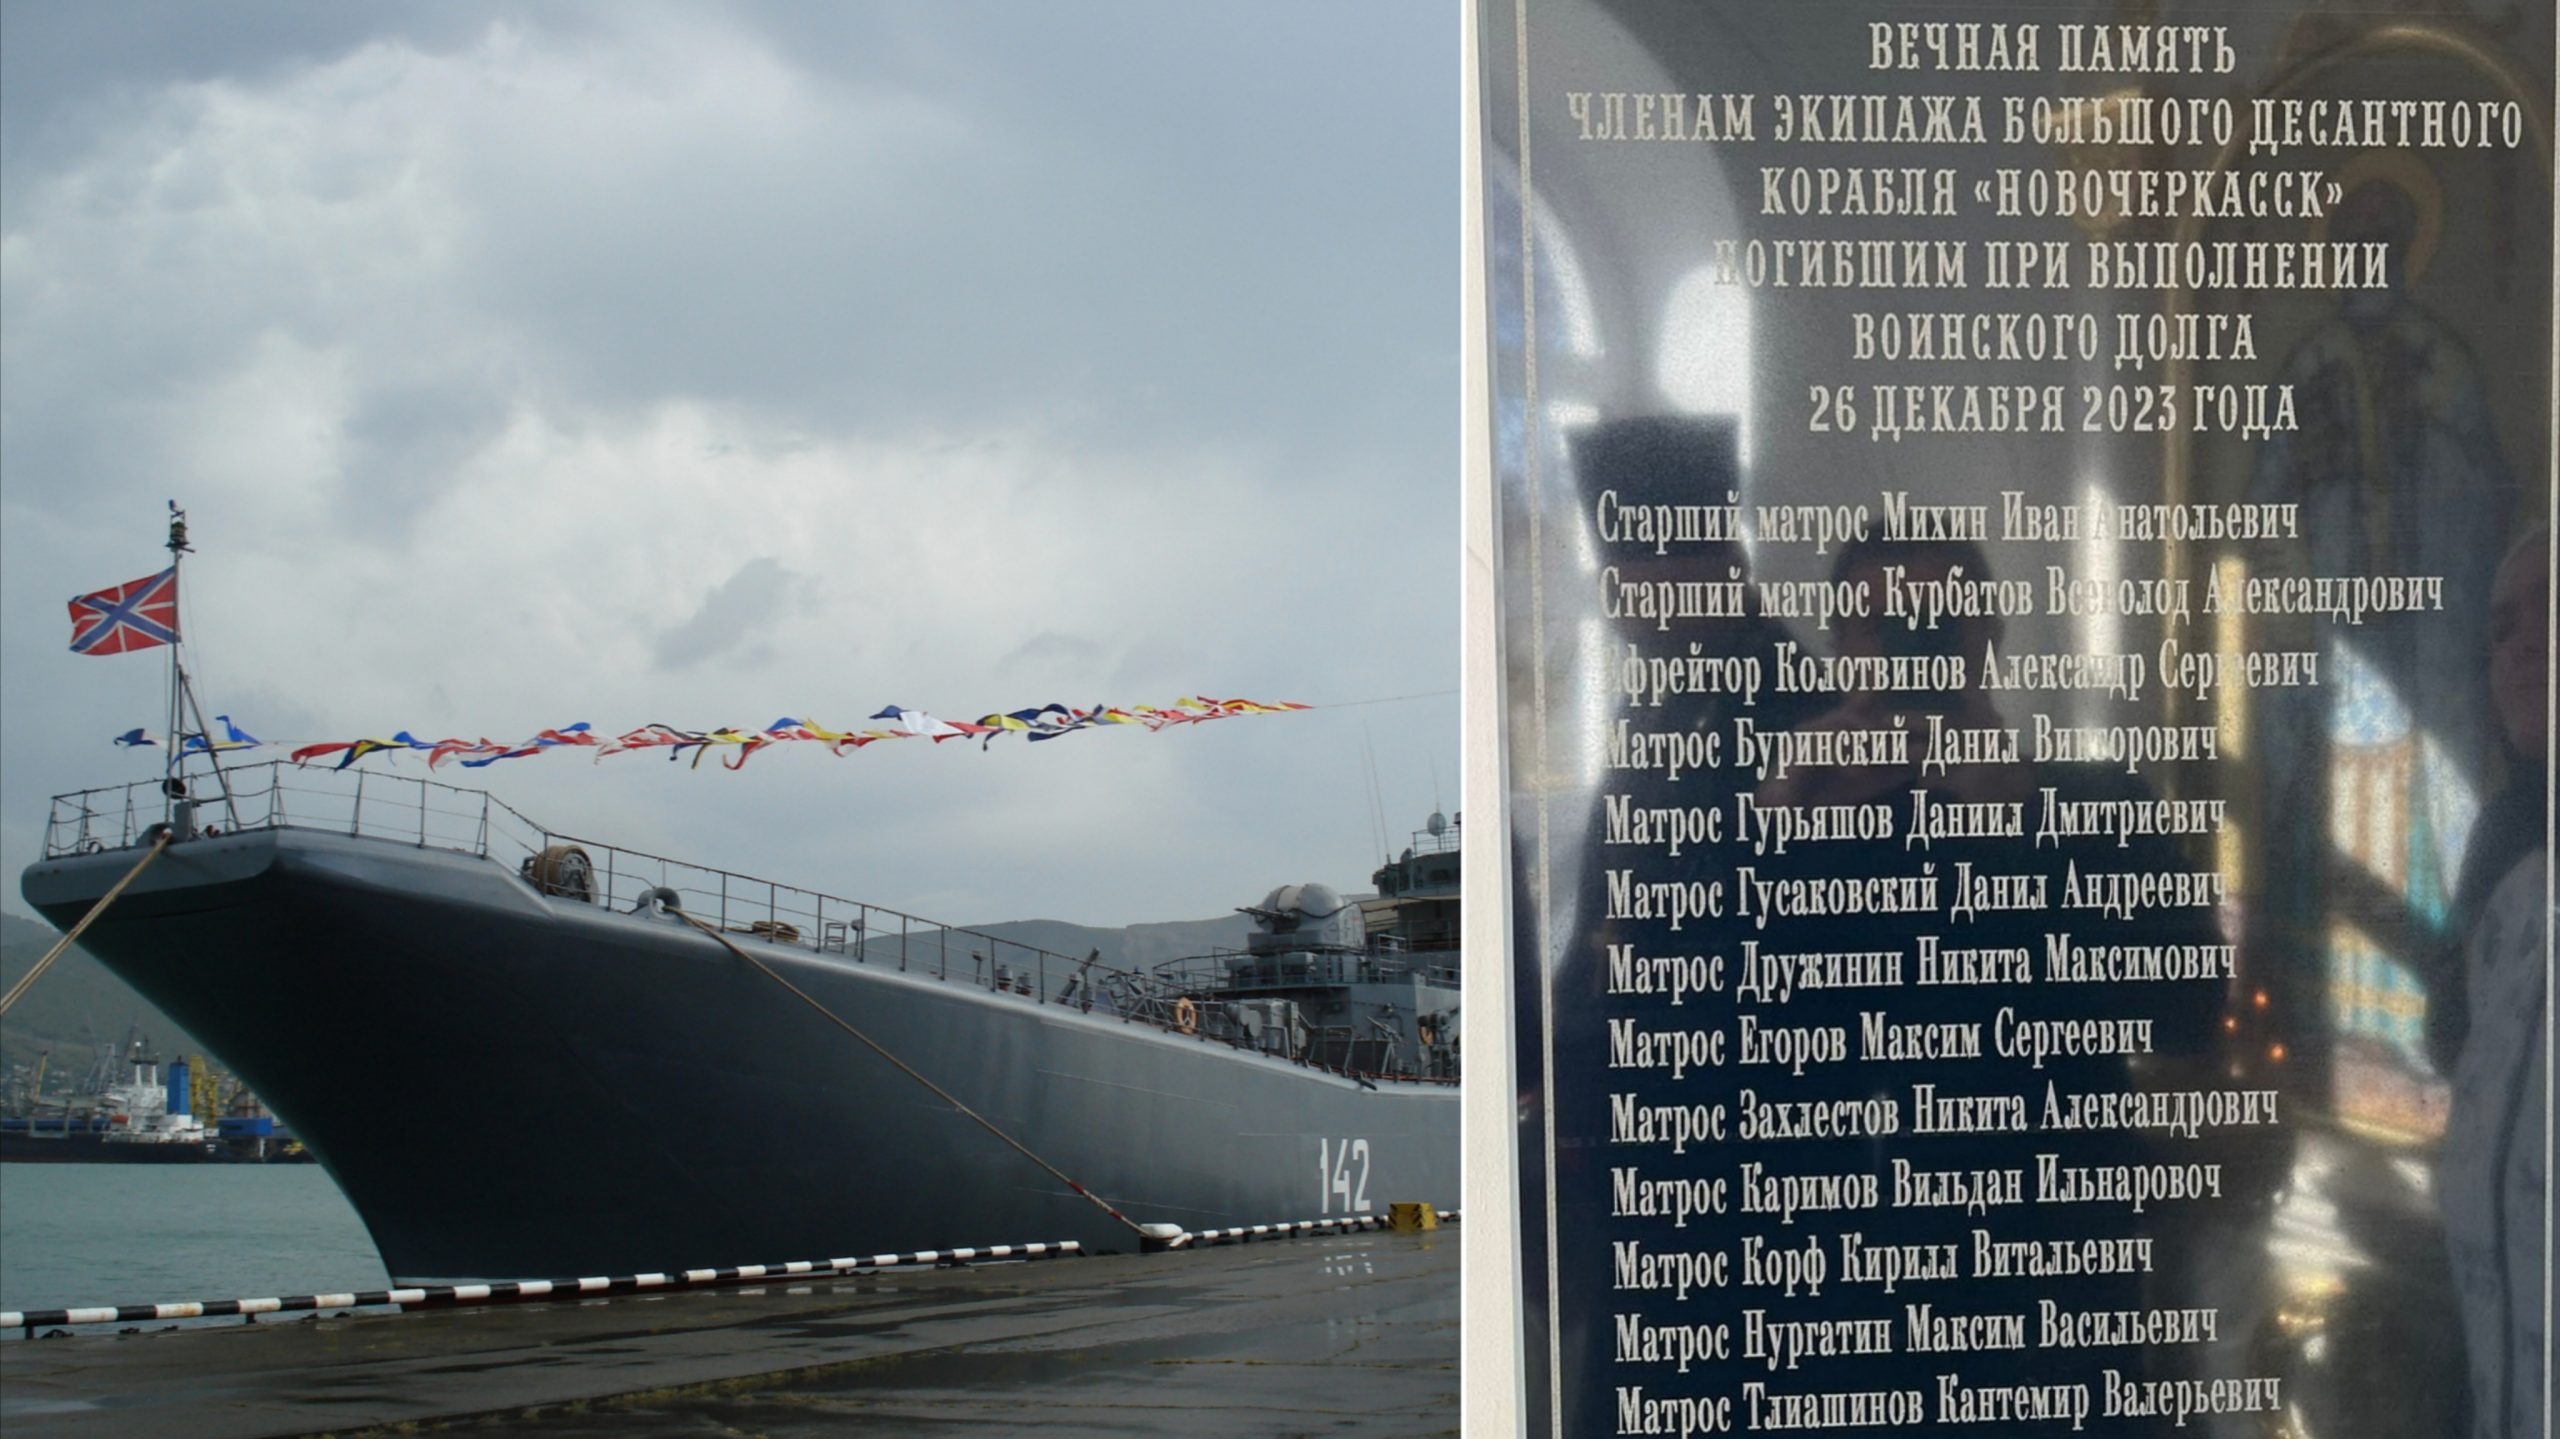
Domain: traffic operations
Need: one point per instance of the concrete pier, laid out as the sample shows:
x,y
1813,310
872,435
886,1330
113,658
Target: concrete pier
x,y
1351,1334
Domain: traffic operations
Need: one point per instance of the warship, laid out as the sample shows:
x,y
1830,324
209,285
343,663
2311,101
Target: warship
x,y
524,1053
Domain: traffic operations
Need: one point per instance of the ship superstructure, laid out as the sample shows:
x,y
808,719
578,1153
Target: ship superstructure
x,y
1364,986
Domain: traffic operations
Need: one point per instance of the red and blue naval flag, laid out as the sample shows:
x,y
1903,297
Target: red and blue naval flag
x,y
136,615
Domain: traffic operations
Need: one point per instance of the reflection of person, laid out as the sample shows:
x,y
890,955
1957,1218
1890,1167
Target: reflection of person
x,y
2511,821
2494,1180
1871,635
1968,970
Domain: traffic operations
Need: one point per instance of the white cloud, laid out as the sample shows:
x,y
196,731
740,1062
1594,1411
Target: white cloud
x,y
630,371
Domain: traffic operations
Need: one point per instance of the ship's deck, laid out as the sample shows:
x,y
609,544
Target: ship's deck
x,y
1352,1334
103,830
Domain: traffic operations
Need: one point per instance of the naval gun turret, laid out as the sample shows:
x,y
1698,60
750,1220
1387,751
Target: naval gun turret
x,y
1364,985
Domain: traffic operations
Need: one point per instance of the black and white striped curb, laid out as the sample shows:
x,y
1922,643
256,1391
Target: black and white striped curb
x,y
517,1289
1291,1231
521,1289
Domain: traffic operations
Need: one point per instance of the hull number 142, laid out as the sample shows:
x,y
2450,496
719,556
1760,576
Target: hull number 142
x,y
1342,1176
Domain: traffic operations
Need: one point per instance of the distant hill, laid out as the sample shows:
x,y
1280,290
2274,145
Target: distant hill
x,y
76,1007
1134,947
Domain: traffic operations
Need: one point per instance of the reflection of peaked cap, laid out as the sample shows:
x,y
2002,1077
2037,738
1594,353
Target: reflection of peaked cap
x,y
1658,459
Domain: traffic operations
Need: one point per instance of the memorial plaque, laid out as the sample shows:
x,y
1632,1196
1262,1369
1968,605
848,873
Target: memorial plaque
x,y
2020,561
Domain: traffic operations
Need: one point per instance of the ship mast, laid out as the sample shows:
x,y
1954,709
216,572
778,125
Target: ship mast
x,y
171,784
182,695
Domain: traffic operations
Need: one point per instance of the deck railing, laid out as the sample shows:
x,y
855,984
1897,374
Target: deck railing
x,y
434,815
1243,970
276,794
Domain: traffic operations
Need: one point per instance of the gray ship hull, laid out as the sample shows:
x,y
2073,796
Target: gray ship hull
x,y
510,1085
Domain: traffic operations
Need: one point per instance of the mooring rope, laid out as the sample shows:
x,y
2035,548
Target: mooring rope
x,y
59,945
909,1070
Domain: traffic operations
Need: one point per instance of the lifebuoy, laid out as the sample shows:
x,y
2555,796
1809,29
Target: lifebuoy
x,y
1186,1015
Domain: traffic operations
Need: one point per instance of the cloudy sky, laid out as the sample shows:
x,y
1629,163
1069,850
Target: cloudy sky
x,y
707,363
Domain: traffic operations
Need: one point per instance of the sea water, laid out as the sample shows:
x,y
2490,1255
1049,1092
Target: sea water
x,y
76,1235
